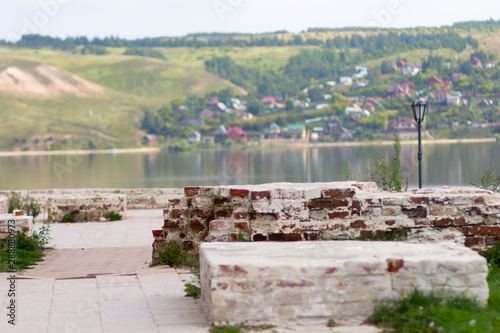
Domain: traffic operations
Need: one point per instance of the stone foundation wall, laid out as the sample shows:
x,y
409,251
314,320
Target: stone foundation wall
x,y
92,203
21,224
329,211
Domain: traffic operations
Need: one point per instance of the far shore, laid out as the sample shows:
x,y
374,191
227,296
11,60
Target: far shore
x,y
280,144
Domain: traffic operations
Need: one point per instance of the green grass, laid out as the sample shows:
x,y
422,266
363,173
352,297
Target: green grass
x,y
192,290
438,312
113,216
28,252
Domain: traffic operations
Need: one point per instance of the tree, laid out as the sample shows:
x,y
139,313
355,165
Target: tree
x,y
387,67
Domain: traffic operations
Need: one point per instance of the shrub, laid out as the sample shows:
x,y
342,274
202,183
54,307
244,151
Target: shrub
x,y
26,204
113,216
488,180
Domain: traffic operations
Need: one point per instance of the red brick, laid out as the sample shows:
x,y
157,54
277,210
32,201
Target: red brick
x,y
188,245
394,265
266,217
238,192
422,222
218,224
285,237
174,202
257,195
474,241
358,224
224,213
339,193
390,223
259,238
374,202
470,231
444,222
220,202
201,213
491,241
191,191
479,200
320,204
338,215
419,212
158,233
241,225
311,236
340,203
460,222
490,230
366,233
356,204
169,224
420,200
241,216
176,213
196,225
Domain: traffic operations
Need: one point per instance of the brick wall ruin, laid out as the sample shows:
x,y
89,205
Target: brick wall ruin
x,y
330,211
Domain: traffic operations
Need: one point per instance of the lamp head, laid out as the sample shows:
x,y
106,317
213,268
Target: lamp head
x,y
418,108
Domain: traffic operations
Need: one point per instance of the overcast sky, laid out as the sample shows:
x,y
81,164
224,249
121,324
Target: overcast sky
x,y
153,18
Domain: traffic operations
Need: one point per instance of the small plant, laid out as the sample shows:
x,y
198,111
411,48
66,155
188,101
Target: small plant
x,y
241,238
113,216
388,174
25,204
42,237
69,217
173,254
389,235
348,172
192,290
28,252
226,329
488,180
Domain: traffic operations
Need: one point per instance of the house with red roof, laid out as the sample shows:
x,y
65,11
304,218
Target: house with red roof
x,y
236,134
401,63
269,101
437,80
400,90
476,62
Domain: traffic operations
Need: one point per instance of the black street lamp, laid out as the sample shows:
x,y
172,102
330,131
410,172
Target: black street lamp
x,y
418,108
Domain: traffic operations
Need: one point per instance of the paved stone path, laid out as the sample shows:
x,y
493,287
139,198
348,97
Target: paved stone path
x,y
97,279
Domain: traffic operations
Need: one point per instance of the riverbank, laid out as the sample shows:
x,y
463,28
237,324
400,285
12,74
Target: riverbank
x,y
295,143
80,152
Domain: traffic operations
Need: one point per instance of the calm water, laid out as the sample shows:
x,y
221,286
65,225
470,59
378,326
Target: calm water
x,y
443,164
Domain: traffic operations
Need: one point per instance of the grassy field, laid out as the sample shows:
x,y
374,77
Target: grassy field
x,y
131,84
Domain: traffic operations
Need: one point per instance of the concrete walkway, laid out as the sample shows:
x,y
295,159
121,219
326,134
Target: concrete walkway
x,y
97,279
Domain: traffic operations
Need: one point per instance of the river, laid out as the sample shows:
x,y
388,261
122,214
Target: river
x,y
443,164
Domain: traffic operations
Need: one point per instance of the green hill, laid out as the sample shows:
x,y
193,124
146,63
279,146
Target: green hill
x,y
59,100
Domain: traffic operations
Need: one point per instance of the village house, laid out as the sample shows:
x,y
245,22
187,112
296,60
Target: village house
x,y
345,80
453,100
400,90
206,114
436,80
405,127
476,62
269,101
440,95
294,131
236,134
215,105
150,140
484,104
409,69
194,137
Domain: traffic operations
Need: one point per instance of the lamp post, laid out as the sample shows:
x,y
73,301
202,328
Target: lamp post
x,y
418,108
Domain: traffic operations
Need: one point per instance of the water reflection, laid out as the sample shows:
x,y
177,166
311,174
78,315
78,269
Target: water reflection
x,y
443,164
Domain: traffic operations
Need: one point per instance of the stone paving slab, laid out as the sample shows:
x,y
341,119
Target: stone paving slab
x,y
122,294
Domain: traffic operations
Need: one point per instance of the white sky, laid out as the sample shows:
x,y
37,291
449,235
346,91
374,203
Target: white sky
x,y
153,18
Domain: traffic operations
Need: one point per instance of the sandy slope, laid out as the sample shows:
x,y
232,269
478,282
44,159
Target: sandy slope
x,y
46,82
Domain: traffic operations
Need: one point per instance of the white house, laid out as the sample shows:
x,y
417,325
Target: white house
x,y
410,69
345,80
